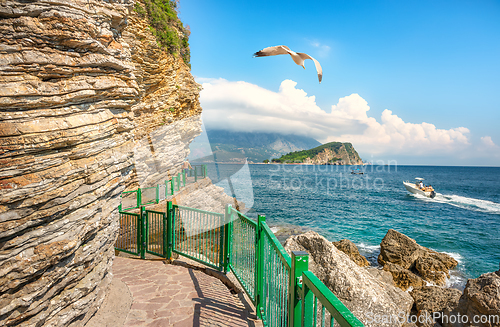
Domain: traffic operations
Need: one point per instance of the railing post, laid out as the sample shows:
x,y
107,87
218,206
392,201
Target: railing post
x,y
119,207
307,306
143,232
259,265
167,239
139,195
178,181
300,263
172,185
227,237
166,189
157,193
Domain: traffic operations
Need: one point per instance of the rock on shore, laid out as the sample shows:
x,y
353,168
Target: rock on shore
x,y
364,294
433,299
403,251
352,251
403,278
481,298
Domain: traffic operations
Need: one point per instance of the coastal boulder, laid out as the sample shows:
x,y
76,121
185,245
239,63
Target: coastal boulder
x,y
430,300
432,269
481,298
399,249
352,251
403,278
404,251
381,275
364,295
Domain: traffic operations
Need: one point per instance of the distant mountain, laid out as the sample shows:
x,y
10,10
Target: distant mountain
x,y
237,146
333,153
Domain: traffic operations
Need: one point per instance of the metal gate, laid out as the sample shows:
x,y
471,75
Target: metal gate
x,y
199,235
196,234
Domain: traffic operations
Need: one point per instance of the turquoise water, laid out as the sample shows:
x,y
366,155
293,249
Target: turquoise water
x,y
463,220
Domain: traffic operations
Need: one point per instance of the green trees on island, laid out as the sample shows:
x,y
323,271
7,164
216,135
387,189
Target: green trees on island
x,y
300,156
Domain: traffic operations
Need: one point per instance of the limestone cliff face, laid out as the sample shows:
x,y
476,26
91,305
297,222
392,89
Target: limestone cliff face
x,y
340,156
89,105
333,153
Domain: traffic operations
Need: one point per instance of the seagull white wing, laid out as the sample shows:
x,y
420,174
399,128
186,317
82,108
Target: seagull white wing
x,y
305,56
273,51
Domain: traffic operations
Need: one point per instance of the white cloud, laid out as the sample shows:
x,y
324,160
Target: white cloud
x,y
323,49
393,134
488,141
247,107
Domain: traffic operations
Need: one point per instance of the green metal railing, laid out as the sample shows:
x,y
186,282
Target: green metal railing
x,y
199,235
149,195
242,250
273,302
129,234
283,290
321,307
197,171
130,200
156,232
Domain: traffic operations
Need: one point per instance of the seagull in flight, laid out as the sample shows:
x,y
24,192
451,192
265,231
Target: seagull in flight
x,y
297,57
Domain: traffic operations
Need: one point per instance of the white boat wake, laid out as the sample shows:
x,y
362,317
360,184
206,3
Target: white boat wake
x,y
464,202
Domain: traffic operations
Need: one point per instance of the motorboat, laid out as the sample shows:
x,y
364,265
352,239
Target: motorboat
x,y
357,172
418,187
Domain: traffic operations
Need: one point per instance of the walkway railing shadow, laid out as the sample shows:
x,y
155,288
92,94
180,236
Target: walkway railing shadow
x,y
210,307
282,289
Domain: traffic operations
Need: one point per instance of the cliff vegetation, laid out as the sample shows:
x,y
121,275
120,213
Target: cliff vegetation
x,y
169,31
333,153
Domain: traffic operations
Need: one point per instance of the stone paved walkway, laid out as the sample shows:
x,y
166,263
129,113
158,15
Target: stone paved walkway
x,y
169,295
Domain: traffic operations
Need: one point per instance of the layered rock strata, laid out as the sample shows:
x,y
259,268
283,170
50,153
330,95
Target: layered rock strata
x,y
88,105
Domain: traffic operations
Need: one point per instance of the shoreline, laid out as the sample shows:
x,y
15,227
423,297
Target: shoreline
x,y
458,279
193,161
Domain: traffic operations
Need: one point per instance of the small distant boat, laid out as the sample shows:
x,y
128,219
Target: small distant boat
x,y
419,188
357,172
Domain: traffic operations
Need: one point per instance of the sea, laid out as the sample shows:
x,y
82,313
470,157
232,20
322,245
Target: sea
x,y
463,219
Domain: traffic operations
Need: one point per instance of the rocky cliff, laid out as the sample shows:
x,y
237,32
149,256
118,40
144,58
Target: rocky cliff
x,y
90,105
333,153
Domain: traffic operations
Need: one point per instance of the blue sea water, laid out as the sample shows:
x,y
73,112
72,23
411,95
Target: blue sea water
x,y
463,220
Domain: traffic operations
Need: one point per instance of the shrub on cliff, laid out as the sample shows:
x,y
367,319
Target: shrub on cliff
x,y
166,26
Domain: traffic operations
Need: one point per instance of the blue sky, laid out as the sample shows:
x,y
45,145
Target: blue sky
x,y
414,63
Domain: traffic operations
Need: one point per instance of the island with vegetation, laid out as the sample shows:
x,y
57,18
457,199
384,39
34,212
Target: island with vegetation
x,y
333,153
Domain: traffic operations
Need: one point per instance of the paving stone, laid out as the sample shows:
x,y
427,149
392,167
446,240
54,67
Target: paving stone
x,y
159,323
170,295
